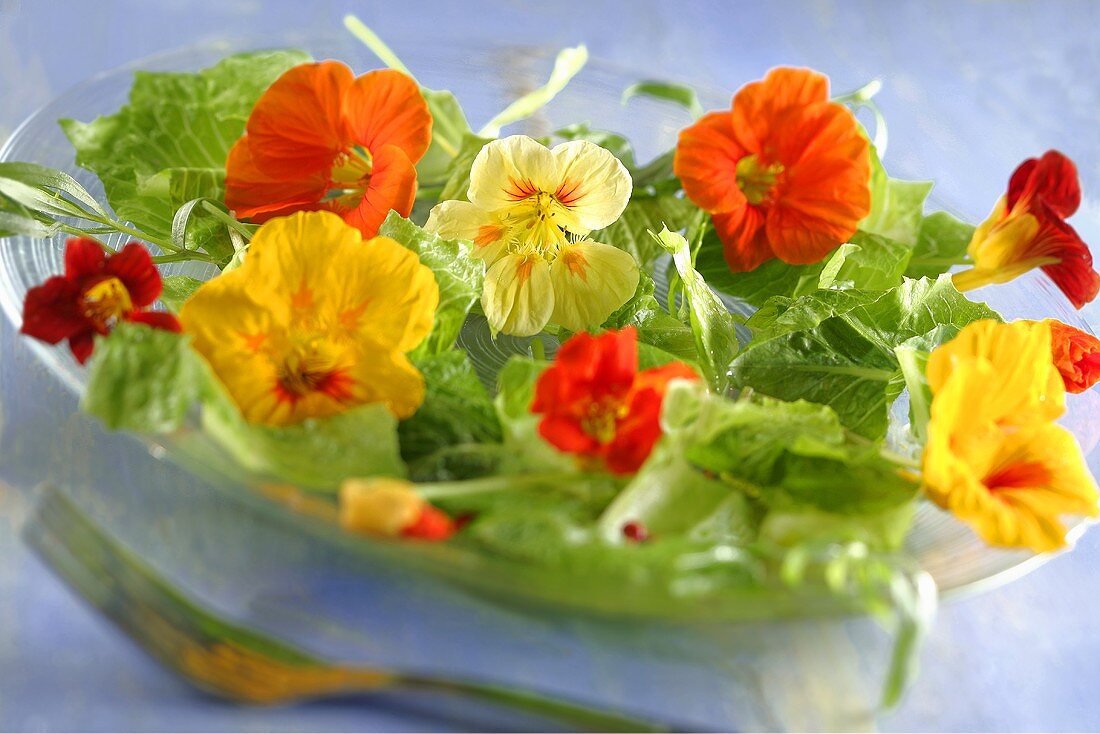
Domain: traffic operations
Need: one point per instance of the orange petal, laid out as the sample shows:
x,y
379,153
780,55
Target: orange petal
x,y
756,104
706,162
392,187
744,239
297,127
259,197
385,107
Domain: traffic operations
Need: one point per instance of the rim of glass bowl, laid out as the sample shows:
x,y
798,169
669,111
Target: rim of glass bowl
x,y
61,365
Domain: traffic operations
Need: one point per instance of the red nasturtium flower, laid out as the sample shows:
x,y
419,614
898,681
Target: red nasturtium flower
x,y
1076,355
785,173
1027,230
319,138
597,405
96,292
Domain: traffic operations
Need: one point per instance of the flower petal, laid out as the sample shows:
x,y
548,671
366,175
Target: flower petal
x,y
51,311
156,320
252,194
1052,179
590,281
134,267
744,239
509,170
385,107
297,127
392,188
461,220
518,298
1076,355
84,257
592,183
706,163
756,104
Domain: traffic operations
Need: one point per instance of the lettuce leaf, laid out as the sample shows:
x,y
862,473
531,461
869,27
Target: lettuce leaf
x,y
942,241
656,327
897,207
642,215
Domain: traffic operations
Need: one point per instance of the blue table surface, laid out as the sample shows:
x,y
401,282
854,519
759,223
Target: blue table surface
x,y
1022,657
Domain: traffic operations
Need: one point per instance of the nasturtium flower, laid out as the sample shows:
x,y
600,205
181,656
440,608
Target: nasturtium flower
x,y
316,321
96,292
1027,230
321,139
529,213
994,457
785,173
391,508
1076,356
597,405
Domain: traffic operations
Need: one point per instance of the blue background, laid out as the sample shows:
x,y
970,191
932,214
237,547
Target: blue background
x,y
973,88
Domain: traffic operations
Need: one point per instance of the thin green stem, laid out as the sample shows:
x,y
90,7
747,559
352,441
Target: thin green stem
x,y
184,256
378,47
229,221
538,349
496,483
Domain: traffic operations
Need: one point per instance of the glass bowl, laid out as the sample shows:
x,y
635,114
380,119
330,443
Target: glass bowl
x,y
485,79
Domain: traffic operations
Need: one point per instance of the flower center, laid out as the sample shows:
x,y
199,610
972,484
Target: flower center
x,y
603,418
106,302
540,219
350,177
756,179
312,367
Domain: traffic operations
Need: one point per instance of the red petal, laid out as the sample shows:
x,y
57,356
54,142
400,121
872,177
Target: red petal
x,y
566,434
385,107
82,345
84,257
392,187
636,434
1076,354
1074,274
134,267
432,524
1052,179
706,163
743,237
156,319
51,311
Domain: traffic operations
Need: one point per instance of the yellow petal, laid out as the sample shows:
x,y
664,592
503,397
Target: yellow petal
x,y
390,379
379,506
593,184
1024,385
518,298
509,170
461,220
590,281
1001,240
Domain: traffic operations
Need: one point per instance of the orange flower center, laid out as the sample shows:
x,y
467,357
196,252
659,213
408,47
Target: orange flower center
x,y
757,179
106,301
1025,475
312,367
350,177
603,418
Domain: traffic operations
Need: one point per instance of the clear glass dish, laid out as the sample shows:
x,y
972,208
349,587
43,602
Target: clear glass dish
x,y
485,79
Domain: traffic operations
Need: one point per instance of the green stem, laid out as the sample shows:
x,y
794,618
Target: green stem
x,y
538,349
377,46
229,221
184,256
496,483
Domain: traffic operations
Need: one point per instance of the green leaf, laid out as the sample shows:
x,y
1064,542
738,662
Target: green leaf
x,y
630,231
613,143
868,262
655,326
449,129
772,278
177,289
458,173
170,143
712,324
837,347
456,408
679,94
569,61
897,207
458,275
53,180
316,453
942,241
144,379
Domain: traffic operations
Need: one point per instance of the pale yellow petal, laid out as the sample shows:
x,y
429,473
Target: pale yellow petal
x,y
591,281
461,220
518,298
593,184
509,170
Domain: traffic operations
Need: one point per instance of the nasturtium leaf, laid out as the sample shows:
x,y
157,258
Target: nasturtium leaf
x,y
643,214
318,453
712,324
144,379
897,207
169,144
456,408
942,241
867,262
458,275
177,289
837,347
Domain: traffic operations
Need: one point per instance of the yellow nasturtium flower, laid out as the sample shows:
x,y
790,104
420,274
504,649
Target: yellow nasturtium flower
x,y
994,457
529,212
316,321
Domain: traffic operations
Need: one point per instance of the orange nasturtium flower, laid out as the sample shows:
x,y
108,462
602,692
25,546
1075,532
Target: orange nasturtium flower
x,y
529,214
785,173
316,321
319,138
994,457
391,508
1027,230
1076,355
597,405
